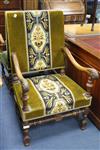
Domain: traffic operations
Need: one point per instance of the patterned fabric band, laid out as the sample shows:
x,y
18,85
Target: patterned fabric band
x,y
38,40
54,94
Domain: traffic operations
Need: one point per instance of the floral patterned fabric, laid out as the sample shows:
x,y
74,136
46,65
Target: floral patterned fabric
x,y
54,94
38,38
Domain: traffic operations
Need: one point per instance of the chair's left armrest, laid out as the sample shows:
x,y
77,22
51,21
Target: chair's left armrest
x,y
93,73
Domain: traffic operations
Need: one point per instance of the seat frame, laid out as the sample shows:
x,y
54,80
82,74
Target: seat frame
x,y
26,125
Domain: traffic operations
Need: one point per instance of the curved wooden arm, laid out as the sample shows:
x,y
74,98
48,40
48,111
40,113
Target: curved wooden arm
x,y
93,73
1,83
1,40
24,82
2,43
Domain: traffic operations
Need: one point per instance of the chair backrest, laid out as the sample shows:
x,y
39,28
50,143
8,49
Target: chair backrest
x,y
37,38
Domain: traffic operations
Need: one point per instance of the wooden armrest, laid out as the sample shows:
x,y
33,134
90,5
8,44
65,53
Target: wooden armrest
x,y
1,83
1,39
24,82
2,43
93,73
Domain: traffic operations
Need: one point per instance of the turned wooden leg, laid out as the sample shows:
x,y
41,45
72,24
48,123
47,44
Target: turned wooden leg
x,y
26,138
83,122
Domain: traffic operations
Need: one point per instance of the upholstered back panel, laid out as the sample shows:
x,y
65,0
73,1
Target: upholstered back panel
x,y
37,38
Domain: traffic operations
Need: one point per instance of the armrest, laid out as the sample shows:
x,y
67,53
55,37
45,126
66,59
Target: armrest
x,y
2,43
1,83
1,40
93,73
24,82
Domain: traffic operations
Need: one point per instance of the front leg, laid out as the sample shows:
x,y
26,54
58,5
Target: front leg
x,y
26,137
83,122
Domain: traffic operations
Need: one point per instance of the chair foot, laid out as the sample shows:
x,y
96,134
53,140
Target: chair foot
x,y
26,138
83,124
84,120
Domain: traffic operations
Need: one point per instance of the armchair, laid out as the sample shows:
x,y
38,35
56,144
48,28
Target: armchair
x,y
41,90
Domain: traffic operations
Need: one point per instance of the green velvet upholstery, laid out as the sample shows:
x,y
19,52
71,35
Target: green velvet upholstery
x,y
39,36
42,104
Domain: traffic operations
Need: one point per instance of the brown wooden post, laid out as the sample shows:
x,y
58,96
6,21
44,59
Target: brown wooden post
x,y
26,138
83,123
89,86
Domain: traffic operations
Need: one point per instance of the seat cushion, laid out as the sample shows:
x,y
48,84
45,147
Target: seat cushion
x,y
51,94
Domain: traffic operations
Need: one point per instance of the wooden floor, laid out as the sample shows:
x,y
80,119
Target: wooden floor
x,y
78,30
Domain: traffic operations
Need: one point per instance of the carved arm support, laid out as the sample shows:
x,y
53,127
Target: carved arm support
x,y
24,82
93,73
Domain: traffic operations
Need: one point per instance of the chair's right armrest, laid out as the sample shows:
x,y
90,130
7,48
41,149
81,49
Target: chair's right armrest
x,y
24,82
